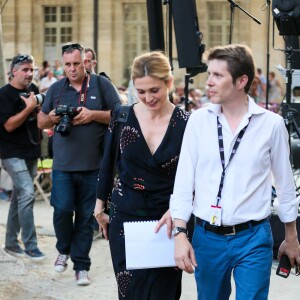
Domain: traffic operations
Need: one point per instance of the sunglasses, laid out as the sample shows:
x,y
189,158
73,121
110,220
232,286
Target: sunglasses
x,y
66,47
22,58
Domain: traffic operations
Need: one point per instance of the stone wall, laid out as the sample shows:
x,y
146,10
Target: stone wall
x,y
22,22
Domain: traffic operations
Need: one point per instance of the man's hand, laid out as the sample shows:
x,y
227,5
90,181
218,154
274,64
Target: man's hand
x,y
184,254
53,117
290,246
18,119
30,102
46,121
292,250
85,116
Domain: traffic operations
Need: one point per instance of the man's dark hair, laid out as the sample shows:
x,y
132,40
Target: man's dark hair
x,y
94,56
19,60
70,47
239,60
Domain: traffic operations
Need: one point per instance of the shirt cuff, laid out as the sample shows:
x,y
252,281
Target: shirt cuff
x,y
288,213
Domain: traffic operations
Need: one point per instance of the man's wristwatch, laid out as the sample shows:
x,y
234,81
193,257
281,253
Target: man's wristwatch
x,y
177,230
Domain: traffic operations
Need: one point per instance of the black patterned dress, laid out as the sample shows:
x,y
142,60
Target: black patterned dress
x,y
142,192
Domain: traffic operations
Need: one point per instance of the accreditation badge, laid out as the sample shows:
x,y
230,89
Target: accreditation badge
x,y
215,215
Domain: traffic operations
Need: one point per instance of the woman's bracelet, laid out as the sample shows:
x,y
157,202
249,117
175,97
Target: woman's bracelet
x,y
96,215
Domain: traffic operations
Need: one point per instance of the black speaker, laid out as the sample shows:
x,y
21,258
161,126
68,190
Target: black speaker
x,y
295,148
286,14
188,37
294,118
155,25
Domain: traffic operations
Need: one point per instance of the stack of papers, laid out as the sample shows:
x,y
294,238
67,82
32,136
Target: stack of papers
x,y
147,249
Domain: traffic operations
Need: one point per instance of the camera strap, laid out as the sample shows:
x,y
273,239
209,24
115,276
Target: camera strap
x,y
61,92
33,132
82,93
83,90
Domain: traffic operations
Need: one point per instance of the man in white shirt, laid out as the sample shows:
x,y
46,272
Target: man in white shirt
x,y
229,152
47,81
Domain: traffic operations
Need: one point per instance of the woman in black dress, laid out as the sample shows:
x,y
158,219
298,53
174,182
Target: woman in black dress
x,y
149,150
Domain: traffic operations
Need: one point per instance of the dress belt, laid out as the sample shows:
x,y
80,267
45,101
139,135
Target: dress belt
x,y
228,230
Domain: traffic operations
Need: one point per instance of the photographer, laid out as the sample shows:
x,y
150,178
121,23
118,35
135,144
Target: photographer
x,y
20,149
80,116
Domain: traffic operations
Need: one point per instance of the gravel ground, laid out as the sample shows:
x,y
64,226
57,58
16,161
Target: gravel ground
x,y
22,279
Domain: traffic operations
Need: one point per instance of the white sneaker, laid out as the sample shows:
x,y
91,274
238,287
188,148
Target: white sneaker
x,y
82,278
60,264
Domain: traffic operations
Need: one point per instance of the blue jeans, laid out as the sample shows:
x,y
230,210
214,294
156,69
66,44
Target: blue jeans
x,y
73,197
20,215
248,254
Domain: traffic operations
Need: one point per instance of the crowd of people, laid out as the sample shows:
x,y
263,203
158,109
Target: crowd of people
x,y
46,75
173,166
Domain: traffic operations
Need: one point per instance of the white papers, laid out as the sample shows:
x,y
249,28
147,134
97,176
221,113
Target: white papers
x,y
147,249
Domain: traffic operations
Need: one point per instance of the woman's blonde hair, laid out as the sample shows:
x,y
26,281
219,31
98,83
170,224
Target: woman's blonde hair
x,y
154,64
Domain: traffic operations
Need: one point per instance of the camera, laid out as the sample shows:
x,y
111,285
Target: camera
x,y
38,97
67,113
284,267
39,101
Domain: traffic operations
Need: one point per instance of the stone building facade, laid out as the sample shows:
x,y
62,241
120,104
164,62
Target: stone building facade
x,y
118,29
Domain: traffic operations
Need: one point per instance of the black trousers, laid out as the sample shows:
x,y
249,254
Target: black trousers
x,y
142,284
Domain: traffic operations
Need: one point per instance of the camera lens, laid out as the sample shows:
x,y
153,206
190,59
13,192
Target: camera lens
x,y
64,126
40,98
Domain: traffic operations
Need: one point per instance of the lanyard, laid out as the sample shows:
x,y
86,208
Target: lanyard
x,y
221,149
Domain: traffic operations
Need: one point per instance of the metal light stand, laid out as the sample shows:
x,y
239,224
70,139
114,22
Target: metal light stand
x,y
170,30
170,38
191,72
268,6
233,5
288,113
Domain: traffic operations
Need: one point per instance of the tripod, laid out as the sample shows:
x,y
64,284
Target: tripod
x,y
191,72
289,115
233,5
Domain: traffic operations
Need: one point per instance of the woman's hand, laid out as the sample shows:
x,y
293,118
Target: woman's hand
x,y
101,217
165,219
103,221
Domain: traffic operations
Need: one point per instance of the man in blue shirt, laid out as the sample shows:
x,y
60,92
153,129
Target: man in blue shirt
x,y
75,108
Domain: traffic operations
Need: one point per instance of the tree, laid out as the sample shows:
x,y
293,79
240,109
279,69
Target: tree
x,y
2,65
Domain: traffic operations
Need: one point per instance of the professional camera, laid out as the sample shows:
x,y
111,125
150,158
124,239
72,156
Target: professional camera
x,y
39,101
67,113
39,97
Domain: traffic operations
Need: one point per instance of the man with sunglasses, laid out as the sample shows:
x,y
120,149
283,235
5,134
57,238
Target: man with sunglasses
x,y
76,156
20,149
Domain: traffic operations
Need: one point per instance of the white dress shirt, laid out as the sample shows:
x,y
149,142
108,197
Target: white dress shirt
x,y
45,83
246,195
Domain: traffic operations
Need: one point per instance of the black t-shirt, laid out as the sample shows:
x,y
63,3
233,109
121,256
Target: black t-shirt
x,y
24,141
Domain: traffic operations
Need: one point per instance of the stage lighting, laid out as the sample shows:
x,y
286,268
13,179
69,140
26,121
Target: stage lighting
x,y
286,14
